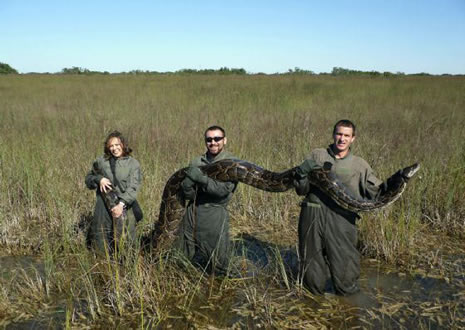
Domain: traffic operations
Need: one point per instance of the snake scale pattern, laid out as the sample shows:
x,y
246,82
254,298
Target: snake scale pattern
x,y
173,205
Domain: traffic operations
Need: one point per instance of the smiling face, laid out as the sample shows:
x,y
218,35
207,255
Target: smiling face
x,y
115,146
215,142
343,137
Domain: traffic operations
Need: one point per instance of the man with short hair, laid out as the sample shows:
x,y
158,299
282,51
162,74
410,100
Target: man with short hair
x,y
204,231
327,232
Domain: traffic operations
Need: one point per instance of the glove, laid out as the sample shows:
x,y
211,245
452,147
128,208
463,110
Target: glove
x,y
306,167
195,174
187,183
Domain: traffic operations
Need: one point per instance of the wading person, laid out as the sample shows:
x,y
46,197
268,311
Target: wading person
x,y
203,235
328,233
116,170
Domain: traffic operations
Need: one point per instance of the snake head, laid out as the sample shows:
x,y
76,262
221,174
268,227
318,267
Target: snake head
x,y
410,171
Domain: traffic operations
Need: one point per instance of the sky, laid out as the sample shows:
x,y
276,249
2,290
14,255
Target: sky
x,y
409,36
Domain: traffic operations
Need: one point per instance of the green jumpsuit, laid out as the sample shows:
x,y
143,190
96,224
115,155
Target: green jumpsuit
x,y
203,235
102,231
328,233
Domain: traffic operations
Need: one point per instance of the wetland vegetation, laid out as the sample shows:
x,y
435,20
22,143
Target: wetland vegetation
x,y
52,128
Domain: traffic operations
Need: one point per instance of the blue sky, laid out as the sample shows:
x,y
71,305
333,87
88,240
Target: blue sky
x,y
409,36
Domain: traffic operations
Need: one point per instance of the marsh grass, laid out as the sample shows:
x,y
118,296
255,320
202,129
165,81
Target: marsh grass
x,y
52,128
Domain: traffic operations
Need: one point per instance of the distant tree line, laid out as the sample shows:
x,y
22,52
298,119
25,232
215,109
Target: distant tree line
x,y
299,71
337,71
221,71
6,69
78,70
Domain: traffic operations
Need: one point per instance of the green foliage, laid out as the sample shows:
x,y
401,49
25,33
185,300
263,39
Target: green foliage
x,y
7,69
221,71
299,71
337,71
75,70
79,70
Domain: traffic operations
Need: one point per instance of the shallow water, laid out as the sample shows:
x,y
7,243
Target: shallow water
x,y
13,266
388,299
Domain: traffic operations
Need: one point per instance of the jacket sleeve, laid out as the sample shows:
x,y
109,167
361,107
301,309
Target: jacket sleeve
x,y
218,188
94,176
301,184
371,186
133,184
213,188
188,189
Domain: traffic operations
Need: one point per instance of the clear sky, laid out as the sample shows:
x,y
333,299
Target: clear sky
x,y
409,36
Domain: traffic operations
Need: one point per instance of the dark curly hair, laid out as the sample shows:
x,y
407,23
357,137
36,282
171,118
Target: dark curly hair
x,y
116,134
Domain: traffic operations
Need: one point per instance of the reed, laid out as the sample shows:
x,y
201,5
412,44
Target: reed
x,y
53,128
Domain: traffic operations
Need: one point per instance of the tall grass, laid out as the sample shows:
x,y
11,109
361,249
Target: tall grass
x,y
53,127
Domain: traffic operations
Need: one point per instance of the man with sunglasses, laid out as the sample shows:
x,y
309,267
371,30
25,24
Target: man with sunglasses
x,y
328,233
203,235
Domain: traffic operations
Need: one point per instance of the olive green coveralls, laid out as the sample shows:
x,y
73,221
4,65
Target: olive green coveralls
x,y
203,235
104,230
328,233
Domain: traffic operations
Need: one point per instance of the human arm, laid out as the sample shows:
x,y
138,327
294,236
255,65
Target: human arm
x,y
301,183
397,180
208,185
105,185
371,187
94,176
117,210
188,188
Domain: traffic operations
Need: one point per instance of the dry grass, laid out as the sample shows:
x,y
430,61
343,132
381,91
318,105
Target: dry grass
x,y
53,127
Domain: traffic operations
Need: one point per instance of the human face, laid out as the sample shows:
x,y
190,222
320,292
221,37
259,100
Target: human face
x,y
343,138
116,147
215,147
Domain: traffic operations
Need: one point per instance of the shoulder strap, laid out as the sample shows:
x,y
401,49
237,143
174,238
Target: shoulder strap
x,y
113,171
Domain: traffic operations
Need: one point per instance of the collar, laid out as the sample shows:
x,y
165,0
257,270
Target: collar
x,y
222,155
117,159
332,154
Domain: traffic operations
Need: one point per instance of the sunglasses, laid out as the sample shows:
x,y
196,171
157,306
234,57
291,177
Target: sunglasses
x,y
216,139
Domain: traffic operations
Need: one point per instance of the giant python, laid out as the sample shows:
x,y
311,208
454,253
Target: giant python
x,y
173,205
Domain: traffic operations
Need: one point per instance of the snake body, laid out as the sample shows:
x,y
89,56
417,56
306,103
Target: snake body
x,y
390,191
172,204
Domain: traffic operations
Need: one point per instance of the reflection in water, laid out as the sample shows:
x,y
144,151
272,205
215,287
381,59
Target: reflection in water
x,y
387,299
375,278
384,292
12,266
18,269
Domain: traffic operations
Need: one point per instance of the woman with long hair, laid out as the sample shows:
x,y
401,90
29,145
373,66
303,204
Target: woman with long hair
x,y
116,171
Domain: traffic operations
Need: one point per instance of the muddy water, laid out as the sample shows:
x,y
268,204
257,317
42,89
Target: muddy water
x,y
13,266
388,299
17,268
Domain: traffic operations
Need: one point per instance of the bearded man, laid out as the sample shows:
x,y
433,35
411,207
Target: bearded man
x,y
203,235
